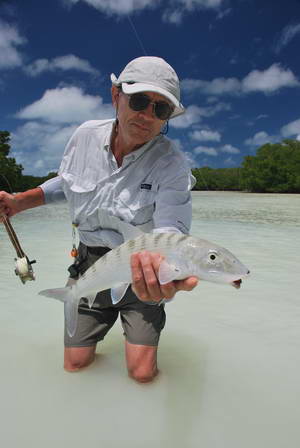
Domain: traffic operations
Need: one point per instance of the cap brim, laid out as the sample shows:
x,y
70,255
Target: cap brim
x,y
137,87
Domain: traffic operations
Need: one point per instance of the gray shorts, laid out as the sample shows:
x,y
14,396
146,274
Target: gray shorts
x,y
141,322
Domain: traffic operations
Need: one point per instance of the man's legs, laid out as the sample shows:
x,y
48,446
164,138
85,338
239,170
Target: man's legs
x,y
141,362
75,358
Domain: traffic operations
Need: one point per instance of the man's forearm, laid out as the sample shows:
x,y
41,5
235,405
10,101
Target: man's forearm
x,y
29,199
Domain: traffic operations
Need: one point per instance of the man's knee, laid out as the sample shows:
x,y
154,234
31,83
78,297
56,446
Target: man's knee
x,y
77,358
142,375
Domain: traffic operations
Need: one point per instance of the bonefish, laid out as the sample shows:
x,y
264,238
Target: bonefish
x,y
184,256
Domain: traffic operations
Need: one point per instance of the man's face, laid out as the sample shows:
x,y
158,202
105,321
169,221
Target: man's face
x,y
137,127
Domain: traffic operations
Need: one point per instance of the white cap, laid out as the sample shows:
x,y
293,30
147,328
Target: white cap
x,y
152,74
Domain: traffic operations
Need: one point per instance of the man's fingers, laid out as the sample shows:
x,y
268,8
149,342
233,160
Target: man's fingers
x,y
150,263
144,266
138,283
145,284
187,284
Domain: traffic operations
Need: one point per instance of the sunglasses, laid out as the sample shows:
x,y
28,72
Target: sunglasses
x,y
140,101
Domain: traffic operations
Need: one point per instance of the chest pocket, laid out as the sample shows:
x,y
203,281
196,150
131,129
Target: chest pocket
x,y
138,204
79,195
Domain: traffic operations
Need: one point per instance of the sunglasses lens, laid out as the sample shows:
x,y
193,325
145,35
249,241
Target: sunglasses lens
x,y
139,101
163,110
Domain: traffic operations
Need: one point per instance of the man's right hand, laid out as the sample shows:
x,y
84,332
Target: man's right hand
x,y
8,205
11,204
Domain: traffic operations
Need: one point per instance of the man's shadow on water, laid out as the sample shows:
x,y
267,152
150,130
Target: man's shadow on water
x,y
182,363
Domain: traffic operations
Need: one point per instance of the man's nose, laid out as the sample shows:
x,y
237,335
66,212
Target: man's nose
x,y
149,111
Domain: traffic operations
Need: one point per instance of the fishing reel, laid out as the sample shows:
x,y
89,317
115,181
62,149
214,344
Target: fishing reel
x,y
24,269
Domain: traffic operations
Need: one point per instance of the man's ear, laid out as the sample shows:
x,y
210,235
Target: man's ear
x,y
115,92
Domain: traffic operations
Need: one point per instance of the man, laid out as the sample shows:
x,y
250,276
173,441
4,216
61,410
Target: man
x,y
123,167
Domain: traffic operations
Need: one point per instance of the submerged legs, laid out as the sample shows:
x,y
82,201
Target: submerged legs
x,y
76,358
141,360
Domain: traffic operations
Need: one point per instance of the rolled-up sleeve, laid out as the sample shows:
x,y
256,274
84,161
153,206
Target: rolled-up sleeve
x,y
173,206
53,190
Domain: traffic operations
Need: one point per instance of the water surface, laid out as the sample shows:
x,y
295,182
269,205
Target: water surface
x,y
229,359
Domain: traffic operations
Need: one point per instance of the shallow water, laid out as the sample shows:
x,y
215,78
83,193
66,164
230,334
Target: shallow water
x,y
229,358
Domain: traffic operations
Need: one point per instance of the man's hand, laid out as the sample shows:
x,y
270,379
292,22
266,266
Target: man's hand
x,y
8,205
145,284
11,204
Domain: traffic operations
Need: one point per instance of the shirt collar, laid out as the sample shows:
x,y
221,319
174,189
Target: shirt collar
x,y
134,154
108,136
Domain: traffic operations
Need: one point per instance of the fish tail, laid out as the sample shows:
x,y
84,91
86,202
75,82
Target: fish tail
x,y
71,302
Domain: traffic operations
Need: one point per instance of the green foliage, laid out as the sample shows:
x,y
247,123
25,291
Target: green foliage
x,y
29,182
4,143
11,179
10,174
219,179
274,169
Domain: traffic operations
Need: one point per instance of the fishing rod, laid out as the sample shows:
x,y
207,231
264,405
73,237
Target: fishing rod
x,y
23,267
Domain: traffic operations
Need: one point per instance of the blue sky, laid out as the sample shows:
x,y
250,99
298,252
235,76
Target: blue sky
x,y
238,61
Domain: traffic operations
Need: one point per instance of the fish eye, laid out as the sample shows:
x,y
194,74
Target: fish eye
x,y
212,256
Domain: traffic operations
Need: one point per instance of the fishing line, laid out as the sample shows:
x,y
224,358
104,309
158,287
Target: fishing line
x,y
136,35
145,53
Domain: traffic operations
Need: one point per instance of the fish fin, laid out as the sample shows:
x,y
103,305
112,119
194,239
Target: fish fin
x,y
71,302
117,293
168,272
129,231
91,299
71,316
62,294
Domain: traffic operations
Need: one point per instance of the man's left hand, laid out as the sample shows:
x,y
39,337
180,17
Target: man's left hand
x,y
145,284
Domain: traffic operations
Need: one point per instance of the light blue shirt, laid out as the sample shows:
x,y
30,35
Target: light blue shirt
x,y
151,189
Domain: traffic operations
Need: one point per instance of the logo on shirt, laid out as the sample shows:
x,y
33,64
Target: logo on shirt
x,y
146,186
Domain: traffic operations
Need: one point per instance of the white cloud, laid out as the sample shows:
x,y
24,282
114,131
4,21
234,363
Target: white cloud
x,y
218,86
205,150
49,138
191,116
270,80
260,138
229,161
230,149
193,4
39,146
259,117
66,105
291,129
224,13
67,62
288,33
39,143
119,7
266,81
10,40
173,13
175,17
194,114
298,138
206,135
